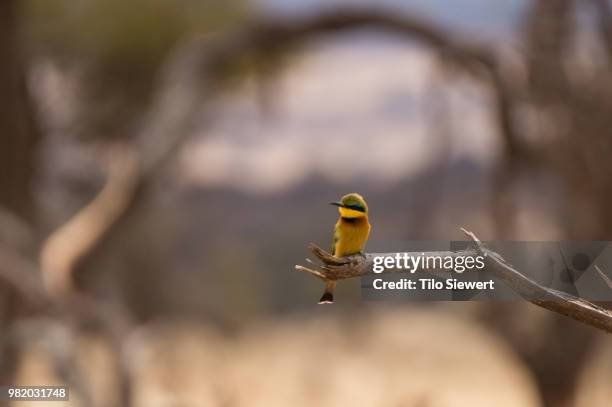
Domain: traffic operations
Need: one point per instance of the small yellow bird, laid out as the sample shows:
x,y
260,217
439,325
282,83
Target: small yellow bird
x,y
350,234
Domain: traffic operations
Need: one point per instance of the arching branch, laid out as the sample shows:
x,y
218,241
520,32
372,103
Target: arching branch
x,y
270,38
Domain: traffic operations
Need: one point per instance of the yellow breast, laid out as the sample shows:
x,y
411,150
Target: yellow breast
x,y
351,236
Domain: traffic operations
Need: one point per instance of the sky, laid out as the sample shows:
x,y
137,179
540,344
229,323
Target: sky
x,y
496,18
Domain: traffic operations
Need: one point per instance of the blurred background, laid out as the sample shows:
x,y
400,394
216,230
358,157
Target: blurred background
x,y
164,164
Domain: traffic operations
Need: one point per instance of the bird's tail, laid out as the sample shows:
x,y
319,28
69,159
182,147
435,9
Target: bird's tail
x,y
328,294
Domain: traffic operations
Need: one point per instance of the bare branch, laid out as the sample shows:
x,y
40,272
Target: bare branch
x,y
267,39
604,277
74,240
334,268
577,308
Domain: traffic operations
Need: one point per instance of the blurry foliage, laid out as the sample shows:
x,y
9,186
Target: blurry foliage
x,y
118,49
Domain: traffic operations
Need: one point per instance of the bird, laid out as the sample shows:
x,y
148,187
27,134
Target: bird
x,y
350,234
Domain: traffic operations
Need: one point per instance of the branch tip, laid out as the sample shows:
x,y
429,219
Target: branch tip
x,y
311,271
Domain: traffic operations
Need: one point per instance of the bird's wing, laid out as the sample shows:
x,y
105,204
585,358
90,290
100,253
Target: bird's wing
x,y
335,239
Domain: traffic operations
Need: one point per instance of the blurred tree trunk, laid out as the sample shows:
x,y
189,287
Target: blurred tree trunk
x,y
17,126
18,153
573,143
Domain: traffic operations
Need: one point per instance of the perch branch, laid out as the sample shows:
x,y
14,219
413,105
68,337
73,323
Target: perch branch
x,y
333,268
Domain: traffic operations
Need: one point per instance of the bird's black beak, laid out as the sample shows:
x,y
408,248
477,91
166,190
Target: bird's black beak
x,y
336,204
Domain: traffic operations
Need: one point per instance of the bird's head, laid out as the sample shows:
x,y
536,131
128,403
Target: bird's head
x,y
352,206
